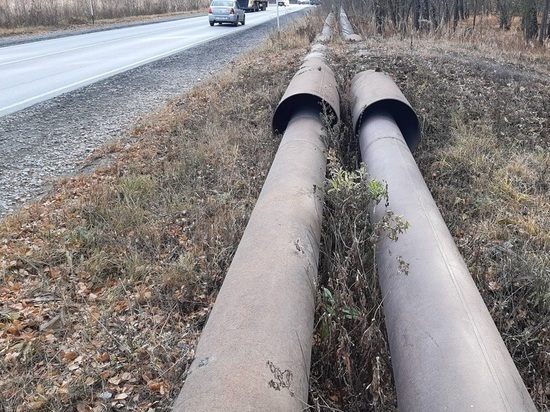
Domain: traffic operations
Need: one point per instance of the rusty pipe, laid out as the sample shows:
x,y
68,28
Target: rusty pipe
x,y
347,28
313,86
328,28
447,353
254,352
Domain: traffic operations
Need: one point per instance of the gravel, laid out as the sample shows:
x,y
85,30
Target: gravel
x,y
53,139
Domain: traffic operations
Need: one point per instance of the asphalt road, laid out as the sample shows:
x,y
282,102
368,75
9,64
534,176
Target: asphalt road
x,y
54,138
37,71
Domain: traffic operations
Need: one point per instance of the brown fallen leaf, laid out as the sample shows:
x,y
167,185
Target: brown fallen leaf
x,y
103,357
35,405
69,356
155,386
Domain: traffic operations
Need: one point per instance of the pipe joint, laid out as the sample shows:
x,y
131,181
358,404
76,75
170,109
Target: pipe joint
x,y
313,87
375,92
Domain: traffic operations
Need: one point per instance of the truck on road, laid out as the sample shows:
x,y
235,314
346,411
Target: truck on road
x,y
253,5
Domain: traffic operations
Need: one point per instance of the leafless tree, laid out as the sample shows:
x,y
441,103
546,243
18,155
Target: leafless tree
x,y
543,31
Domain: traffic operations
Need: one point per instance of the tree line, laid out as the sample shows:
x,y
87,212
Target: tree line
x,y
401,14
28,13
432,14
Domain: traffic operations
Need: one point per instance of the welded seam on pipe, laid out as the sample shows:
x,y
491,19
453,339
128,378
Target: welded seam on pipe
x,y
452,275
467,307
373,141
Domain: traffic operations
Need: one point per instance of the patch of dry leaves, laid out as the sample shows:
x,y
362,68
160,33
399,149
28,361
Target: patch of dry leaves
x,y
67,339
106,283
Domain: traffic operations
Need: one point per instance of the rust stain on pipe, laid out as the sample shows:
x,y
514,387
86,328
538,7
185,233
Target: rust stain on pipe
x,y
447,353
254,352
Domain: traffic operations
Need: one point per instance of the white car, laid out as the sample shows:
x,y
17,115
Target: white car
x,y
226,11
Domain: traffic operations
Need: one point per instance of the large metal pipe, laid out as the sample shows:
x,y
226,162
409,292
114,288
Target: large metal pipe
x,y
347,28
312,86
328,28
254,352
447,353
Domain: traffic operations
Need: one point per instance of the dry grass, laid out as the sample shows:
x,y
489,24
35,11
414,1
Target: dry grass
x,y
105,285
501,222
484,155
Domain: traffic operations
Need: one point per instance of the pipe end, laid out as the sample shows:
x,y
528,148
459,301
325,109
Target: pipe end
x,y
375,92
313,87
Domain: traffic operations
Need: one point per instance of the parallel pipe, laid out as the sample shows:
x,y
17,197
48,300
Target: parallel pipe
x,y
347,28
447,353
313,86
328,28
254,352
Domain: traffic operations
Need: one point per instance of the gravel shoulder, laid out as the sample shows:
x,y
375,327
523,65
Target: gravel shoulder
x,y
55,139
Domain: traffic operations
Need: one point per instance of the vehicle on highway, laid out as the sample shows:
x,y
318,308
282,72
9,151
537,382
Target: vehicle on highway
x,y
226,11
303,1
315,2
283,2
253,5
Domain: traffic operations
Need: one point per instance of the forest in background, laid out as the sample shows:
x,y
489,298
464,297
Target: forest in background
x,y
401,15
